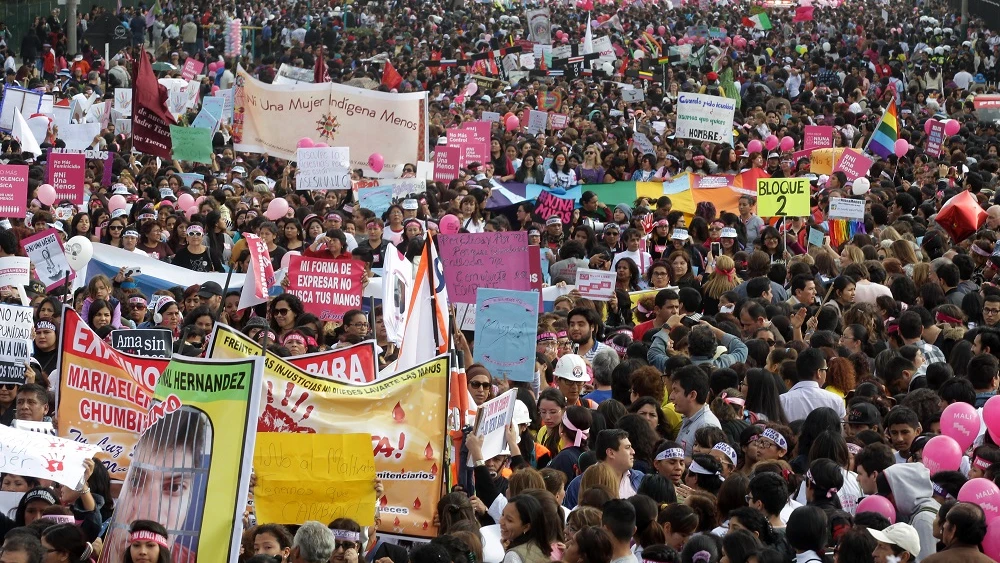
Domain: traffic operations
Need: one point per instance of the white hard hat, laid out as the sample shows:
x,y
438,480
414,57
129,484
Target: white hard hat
x,y
571,367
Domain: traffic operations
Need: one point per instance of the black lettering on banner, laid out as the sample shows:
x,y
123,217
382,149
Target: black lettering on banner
x,y
781,209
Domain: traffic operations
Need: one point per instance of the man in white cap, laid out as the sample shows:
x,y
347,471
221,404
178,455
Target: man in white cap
x,y
571,375
898,543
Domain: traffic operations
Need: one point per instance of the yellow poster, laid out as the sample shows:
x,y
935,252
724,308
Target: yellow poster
x,y
406,415
190,469
821,161
320,477
783,197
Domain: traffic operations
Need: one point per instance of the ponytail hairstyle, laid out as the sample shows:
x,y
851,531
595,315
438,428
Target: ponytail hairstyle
x,y
647,530
69,539
824,479
454,508
575,426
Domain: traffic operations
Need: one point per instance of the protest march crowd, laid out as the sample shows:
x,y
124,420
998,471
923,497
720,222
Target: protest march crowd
x,y
737,262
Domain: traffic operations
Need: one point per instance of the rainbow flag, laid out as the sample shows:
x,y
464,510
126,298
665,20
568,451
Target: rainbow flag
x,y
883,141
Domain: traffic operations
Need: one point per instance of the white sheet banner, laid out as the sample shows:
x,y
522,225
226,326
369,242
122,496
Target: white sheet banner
x,y
34,454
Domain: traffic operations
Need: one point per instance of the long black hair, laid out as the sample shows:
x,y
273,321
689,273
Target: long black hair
x,y
156,528
529,509
807,529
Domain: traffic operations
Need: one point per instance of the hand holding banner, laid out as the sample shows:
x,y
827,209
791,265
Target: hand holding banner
x,y
34,454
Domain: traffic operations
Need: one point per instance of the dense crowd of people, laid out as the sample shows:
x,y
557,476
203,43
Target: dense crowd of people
x,y
748,394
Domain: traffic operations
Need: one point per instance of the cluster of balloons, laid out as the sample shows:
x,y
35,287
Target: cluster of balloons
x,y
951,126
307,143
234,38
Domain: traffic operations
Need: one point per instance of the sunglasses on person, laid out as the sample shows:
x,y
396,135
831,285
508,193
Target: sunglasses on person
x,y
345,545
282,312
479,384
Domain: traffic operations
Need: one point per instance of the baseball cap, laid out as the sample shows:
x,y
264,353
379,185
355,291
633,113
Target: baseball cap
x,y
571,367
209,289
903,535
863,413
410,204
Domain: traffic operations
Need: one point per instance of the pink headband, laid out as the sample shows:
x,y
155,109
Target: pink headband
x,y
547,336
296,337
146,535
981,463
581,435
980,251
561,334
732,400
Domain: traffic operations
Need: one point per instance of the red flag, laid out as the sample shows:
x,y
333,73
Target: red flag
x,y
391,78
151,120
320,72
803,14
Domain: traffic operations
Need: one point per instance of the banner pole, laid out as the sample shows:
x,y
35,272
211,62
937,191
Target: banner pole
x,y
225,290
430,281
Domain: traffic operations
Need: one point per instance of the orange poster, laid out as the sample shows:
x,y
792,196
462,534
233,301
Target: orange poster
x,y
104,394
405,414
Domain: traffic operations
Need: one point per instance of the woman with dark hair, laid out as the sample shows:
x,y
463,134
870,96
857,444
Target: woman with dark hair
x,y
99,314
816,422
651,410
574,429
285,310
647,531
842,293
629,278
148,543
592,544
704,474
658,488
292,235
679,521
272,539
807,533
702,548
584,234
823,483
65,543
560,174
523,530
740,546
81,225
762,397
551,406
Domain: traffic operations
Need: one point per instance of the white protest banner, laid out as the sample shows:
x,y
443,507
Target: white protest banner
x,y
643,143
9,501
15,271
603,46
491,116
397,286
425,170
288,74
492,420
846,208
537,120
558,121
596,285
705,118
273,119
14,98
46,457
45,250
16,324
633,95
123,101
323,168
43,427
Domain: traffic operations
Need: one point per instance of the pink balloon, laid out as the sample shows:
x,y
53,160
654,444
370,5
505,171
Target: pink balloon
x,y
787,143
951,127
755,146
191,211
46,194
662,30
901,148
960,422
983,492
116,202
673,40
376,162
991,414
928,124
512,123
320,146
879,505
276,209
185,200
991,543
449,225
772,142
287,258
214,89
199,199
943,454
305,143
471,88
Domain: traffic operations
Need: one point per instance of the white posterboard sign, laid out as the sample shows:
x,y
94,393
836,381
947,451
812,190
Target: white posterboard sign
x,y
705,118
492,420
846,208
323,168
596,285
27,101
35,454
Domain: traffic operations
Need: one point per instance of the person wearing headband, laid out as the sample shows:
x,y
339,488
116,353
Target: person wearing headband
x,y
704,474
46,349
147,543
375,243
669,462
574,431
195,256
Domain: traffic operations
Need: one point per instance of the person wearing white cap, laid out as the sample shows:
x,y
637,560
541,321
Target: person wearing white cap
x,y
899,543
571,374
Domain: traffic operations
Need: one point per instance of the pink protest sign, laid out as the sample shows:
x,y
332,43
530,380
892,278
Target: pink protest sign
x,y
446,163
853,164
558,121
935,139
66,174
473,260
480,131
192,68
548,205
13,190
818,137
468,141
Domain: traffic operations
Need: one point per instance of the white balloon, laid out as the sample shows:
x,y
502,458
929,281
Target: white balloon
x,y
860,186
79,251
826,46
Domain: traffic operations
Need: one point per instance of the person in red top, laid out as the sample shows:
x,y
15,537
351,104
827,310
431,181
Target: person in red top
x,y
667,304
48,62
332,246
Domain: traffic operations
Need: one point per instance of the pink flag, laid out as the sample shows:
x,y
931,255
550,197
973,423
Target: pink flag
x,y
803,14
